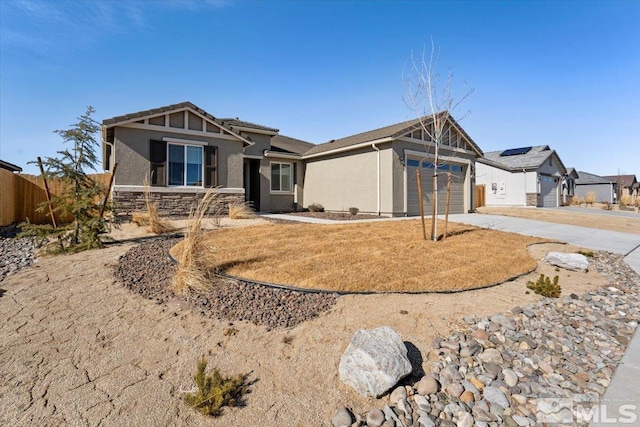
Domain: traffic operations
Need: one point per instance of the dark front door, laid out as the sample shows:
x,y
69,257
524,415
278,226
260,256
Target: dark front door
x,y
252,182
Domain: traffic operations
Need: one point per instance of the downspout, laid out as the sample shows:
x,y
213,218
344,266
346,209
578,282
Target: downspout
x,y
524,171
373,145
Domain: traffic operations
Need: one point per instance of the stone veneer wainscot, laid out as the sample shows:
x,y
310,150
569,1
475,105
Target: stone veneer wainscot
x,y
171,201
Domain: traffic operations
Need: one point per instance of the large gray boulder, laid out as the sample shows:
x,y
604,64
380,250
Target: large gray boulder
x,y
374,361
574,262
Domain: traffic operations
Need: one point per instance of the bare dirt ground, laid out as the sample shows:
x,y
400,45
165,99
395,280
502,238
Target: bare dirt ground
x,y
623,224
80,349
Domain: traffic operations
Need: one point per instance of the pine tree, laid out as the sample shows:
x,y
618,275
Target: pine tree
x,y
81,201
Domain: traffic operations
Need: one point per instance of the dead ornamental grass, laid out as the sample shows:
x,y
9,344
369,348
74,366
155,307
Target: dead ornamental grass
x,y
388,256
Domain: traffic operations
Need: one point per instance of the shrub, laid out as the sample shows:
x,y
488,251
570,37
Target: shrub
x,y
215,391
575,200
156,225
354,211
241,210
543,286
625,200
606,206
316,207
590,198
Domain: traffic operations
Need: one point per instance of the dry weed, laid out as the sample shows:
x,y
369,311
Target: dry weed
x,y
191,273
590,198
140,219
241,210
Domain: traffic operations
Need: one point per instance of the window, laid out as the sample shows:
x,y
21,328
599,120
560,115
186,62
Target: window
x,y
185,165
281,177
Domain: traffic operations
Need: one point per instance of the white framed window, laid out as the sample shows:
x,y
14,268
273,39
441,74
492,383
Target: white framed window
x,y
185,165
281,178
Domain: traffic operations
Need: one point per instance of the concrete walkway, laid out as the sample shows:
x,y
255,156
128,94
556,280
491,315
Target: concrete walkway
x,y
625,384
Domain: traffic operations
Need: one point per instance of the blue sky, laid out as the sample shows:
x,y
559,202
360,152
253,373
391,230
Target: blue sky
x,y
566,74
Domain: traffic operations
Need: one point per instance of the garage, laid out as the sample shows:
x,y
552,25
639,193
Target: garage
x,y
457,188
549,191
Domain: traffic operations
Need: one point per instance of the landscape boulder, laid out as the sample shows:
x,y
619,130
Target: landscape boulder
x,y
374,361
574,262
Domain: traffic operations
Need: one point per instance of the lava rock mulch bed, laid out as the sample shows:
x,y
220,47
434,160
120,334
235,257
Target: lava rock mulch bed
x,y
148,270
335,216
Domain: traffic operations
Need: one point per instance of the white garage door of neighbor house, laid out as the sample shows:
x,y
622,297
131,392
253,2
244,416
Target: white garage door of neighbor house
x,y
549,191
457,188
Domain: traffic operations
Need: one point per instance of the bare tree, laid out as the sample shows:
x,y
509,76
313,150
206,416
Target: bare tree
x,y
434,101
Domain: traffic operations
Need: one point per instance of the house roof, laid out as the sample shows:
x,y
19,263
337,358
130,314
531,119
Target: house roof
x,y
527,157
589,178
287,144
625,181
229,123
572,173
392,131
10,166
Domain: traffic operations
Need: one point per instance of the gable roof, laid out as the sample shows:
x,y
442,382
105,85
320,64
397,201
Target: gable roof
x,y
622,180
10,166
226,123
287,144
237,123
589,178
572,173
528,159
392,131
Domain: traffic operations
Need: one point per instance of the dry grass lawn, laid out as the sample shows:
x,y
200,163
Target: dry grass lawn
x,y
621,224
376,256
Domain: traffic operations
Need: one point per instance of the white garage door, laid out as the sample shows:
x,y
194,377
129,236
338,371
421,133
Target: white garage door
x,y
549,191
457,188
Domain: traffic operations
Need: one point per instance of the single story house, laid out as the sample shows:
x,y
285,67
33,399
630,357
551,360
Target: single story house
x,y
10,166
527,176
603,188
625,185
182,150
375,171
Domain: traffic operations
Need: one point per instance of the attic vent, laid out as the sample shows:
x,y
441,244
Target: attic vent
x,y
515,151
333,140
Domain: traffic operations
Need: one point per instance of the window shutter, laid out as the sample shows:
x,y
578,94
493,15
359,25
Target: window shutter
x,y
158,162
211,166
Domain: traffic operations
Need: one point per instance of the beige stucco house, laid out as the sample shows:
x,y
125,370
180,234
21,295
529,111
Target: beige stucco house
x,y
183,150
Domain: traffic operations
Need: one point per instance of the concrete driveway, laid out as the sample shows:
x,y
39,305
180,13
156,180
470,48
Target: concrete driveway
x,y
601,240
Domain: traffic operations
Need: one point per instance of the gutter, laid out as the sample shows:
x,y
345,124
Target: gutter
x,y
268,153
373,145
348,148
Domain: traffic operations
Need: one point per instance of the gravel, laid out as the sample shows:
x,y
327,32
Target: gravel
x,y
16,253
335,216
513,367
147,270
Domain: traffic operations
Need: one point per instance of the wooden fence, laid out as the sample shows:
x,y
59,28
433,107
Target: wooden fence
x,y
21,195
480,195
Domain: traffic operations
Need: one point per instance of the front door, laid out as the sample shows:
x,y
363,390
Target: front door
x,y
252,182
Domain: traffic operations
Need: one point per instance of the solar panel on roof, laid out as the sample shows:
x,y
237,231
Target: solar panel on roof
x,y
515,151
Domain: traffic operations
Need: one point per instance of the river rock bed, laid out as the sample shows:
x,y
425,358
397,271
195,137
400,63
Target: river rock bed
x,y
16,253
501,369
147,270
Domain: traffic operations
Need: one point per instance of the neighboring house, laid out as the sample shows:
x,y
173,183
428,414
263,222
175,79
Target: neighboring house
x,y
182,150
625,185
10,166
569,186
375,171
527,176
603,188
